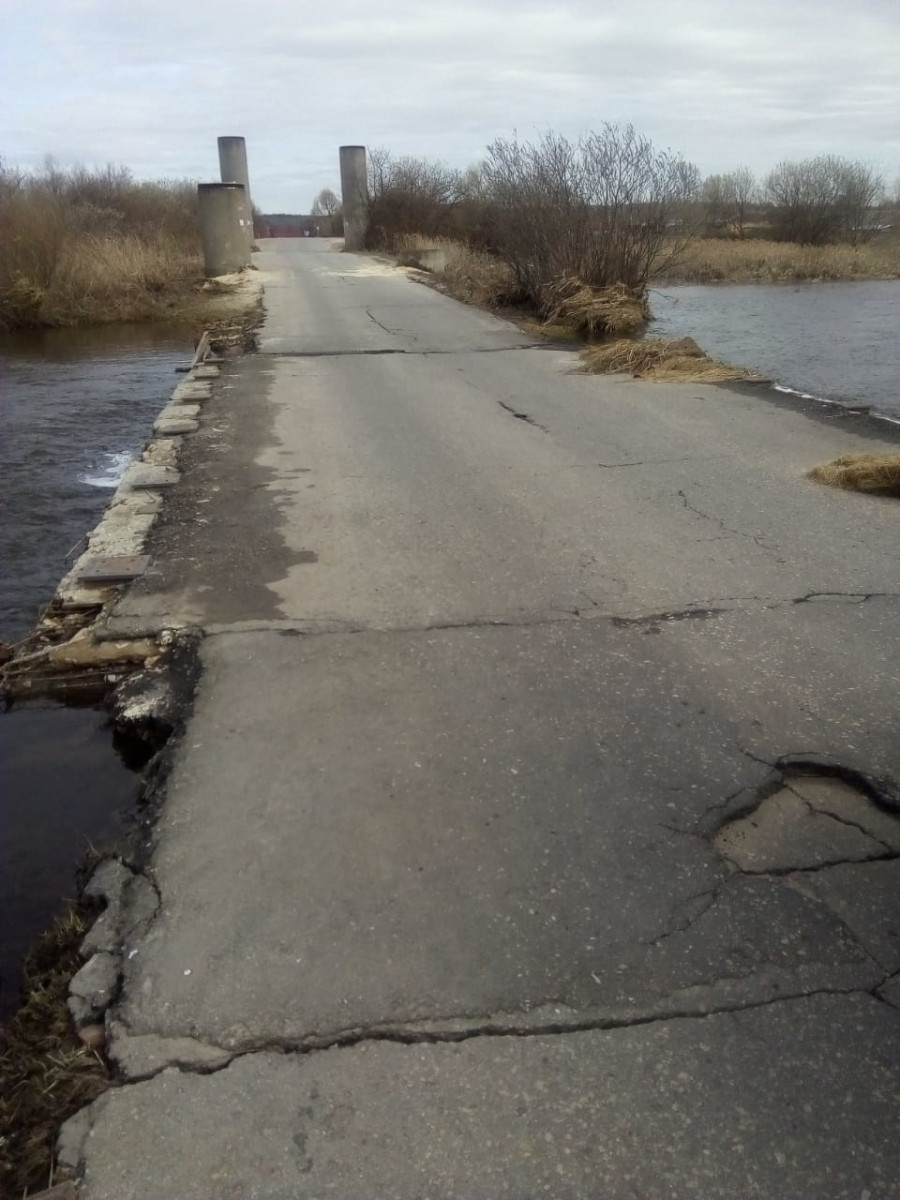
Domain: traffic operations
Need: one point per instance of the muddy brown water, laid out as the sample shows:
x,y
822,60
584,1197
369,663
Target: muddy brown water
x,y
75,407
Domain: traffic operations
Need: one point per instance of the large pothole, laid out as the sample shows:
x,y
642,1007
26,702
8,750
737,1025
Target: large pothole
x,y
811,821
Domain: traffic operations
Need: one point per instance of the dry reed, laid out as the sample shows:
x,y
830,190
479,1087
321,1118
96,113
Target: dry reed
x,y
755,260
879,473
468,274
679,360
46,1072
94,246
593,312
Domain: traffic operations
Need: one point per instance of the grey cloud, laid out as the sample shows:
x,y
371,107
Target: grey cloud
x,y
151,84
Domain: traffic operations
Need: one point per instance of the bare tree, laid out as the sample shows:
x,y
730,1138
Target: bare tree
x,y
824,199
862,201
600,208
410,195
326,204
727,200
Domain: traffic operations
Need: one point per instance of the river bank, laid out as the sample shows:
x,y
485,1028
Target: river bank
x,y
755,260
88,247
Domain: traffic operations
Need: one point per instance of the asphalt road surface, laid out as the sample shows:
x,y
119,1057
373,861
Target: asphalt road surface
x,y
450,904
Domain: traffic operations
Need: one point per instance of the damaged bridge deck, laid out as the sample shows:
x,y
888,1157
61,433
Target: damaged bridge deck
x,y
534,831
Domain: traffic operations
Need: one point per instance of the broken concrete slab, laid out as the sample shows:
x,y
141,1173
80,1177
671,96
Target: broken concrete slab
x,y
110,568
131,903
191,389
161,452
205,372
143,1056
144,475
174,426
418,800
774,1101
829,794
794,830
92,989
83,651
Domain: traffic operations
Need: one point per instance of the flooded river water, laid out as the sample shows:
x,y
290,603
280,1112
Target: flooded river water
x,y
75,407
838,341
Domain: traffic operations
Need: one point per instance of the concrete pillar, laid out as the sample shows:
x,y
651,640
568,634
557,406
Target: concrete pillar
x,y
354,196
233,169
225,245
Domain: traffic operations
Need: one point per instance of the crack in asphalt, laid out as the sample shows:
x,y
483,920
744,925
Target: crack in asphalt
x,y
520,416
697,610
832,816
273,353
756,538
398,1035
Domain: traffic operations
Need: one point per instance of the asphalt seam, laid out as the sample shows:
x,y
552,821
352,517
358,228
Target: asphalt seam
x,y
698,610
271,352
412,1037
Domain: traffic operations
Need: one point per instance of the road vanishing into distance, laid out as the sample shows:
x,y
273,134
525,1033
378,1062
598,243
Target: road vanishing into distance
x,y
534,830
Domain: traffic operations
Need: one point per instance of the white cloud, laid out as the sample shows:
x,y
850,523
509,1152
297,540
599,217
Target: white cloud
x,y
151,84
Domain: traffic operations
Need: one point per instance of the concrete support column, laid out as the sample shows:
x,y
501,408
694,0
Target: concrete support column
x,y
233,169
225,245
354,196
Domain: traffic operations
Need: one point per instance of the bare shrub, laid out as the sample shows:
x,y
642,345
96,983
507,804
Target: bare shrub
x,y
410,196
824,199
727,200
598,209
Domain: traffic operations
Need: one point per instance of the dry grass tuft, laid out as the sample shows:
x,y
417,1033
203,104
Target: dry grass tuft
x,y
879,473
46,1073
591,311
679,360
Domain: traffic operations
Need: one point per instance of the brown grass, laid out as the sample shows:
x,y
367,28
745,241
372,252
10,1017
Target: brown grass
x,y
570,310
879,473
718,260
46,1073
470,275
679,360
593,312
83,247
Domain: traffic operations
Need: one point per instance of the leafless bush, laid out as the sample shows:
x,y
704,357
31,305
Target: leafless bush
x,y
727,200
600,209
824,199
410,195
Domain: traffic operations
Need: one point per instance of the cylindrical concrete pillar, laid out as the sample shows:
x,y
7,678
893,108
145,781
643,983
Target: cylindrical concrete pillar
x,y
354,196
225,245
233,169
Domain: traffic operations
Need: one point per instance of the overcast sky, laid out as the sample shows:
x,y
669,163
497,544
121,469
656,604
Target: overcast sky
x,y
152,83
